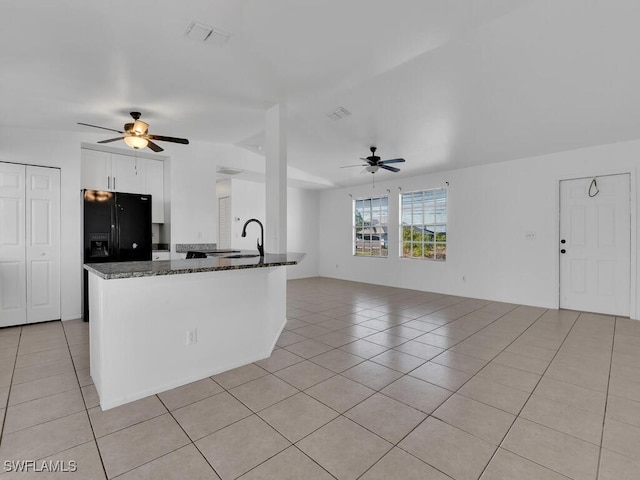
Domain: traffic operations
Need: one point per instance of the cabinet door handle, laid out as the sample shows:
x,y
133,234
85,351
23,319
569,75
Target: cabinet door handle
x,y
114,183
108,182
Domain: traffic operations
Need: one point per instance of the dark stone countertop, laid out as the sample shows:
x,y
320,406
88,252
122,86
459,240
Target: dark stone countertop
x,y
116,270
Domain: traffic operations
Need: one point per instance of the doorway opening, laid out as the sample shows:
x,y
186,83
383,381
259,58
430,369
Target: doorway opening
x,y
224,222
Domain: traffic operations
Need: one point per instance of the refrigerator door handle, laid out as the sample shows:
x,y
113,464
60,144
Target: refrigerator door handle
x,y
115,233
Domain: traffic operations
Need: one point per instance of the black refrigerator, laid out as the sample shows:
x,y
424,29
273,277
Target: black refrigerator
x,y
116,228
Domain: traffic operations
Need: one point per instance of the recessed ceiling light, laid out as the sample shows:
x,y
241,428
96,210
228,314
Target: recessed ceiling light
x,y
201,32
339,113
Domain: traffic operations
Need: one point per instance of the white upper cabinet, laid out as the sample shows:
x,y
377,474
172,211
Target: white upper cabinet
x,y
124,173
154,184
96,169
112,172
127,174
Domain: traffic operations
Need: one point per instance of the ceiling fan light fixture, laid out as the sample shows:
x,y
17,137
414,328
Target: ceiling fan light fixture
x,y
140,128
136,135
136,142
370,168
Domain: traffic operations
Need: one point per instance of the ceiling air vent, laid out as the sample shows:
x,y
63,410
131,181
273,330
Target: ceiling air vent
x,y
339,113
205,33
228,170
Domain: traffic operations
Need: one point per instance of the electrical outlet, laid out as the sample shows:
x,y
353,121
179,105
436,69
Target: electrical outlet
x,y
192,336
464,278
530,235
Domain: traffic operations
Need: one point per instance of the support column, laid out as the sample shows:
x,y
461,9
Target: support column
x,y
276,180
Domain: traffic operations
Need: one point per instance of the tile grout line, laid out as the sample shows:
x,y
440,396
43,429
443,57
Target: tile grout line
x,y
303,392
455,392
293,445
606,398
334,374
257,414
531,393
6,407
525,403
407,340
93,433
396,445
192,442
64,416
472,376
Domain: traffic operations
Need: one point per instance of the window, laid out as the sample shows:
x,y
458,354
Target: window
x,y
423,227
370,226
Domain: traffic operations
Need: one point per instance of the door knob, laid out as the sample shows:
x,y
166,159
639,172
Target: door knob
x,y
563,251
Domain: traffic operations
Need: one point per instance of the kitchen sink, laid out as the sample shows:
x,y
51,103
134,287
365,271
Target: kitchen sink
x,y
243,255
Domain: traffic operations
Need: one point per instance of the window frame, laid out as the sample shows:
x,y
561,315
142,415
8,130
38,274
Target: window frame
x,y
436,227
384,227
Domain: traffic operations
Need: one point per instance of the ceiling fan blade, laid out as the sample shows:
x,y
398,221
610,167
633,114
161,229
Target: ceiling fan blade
x,y
154,147
109,140
349,166
393,160
167,139
103,128
391,169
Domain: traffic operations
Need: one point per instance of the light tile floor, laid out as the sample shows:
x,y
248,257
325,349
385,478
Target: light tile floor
x,y
367,382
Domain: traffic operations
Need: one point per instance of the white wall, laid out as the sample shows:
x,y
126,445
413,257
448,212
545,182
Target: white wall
x,y
194,211
194,205
248,201
490,209
303,231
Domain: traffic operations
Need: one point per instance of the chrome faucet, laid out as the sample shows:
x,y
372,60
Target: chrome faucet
x,y
261,241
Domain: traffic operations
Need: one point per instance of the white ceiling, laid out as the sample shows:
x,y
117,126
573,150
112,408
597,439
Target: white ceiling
x,y
443,83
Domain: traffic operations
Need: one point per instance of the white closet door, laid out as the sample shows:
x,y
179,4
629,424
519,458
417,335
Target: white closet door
x,y
12,245
43,243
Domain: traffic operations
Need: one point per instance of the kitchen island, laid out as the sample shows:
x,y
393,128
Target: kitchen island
x,y
158,325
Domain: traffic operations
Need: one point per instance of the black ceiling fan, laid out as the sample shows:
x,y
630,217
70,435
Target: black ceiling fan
x,y
374,163
136,135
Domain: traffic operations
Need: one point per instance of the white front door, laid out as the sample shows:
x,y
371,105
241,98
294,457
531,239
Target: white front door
x,y
13,296
43,243
595,244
